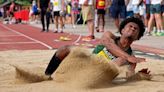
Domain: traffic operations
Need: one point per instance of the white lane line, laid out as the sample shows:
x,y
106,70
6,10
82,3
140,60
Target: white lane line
x,y
78,39
49,47
16,42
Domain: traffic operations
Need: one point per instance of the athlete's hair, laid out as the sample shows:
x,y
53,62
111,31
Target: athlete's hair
x,y
138,21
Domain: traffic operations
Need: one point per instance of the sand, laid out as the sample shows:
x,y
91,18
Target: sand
x,y
34,62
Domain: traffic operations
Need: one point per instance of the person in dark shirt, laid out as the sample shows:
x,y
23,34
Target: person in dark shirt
x,y
44,5
118,11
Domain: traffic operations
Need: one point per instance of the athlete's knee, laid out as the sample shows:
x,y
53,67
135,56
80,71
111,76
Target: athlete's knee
x,y
62,52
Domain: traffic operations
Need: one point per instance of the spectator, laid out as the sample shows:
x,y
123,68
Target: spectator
x,y
65,3
11,12
44,5
129,8
58,12
155,11
35,11
101,8
136,10
2,12
88,16
118,10
147,2
142,10
74,11
162,9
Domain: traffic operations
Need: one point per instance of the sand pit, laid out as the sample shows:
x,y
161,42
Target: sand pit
x,y
30,75
83,69
36,62
80,69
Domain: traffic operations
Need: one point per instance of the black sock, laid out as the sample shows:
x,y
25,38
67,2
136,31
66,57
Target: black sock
x,y
53,65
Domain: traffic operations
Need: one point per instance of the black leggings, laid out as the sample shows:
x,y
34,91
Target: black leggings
x,y
43,14
53,65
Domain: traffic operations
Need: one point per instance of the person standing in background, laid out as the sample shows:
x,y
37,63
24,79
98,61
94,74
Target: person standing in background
x,y
44,5
74,11
136,11
147,2
2,12
58,12
129,8
155,13
88,16
118,10
162,9
11,11
34,11
65,3
101,8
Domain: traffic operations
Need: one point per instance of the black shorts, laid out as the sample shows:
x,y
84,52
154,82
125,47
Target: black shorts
x,y
100,11
36,13
56,13
117,11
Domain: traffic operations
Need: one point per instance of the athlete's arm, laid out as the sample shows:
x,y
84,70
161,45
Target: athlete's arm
x,y
108,41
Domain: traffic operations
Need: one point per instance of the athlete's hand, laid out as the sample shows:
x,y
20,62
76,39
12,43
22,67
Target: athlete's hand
x,y
144,70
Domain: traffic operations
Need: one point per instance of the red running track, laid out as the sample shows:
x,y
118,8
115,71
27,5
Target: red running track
x,y
26,37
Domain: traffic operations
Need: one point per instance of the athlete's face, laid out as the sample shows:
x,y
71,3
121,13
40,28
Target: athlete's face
x,y
131,31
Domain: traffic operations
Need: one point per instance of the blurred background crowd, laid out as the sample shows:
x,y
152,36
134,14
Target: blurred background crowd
x,y
61,12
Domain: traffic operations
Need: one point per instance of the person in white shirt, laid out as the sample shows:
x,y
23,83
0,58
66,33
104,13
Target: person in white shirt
x,y
135,4
58,10
129,8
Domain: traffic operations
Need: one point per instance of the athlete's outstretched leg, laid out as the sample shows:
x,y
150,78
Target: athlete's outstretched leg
x,y
57,58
